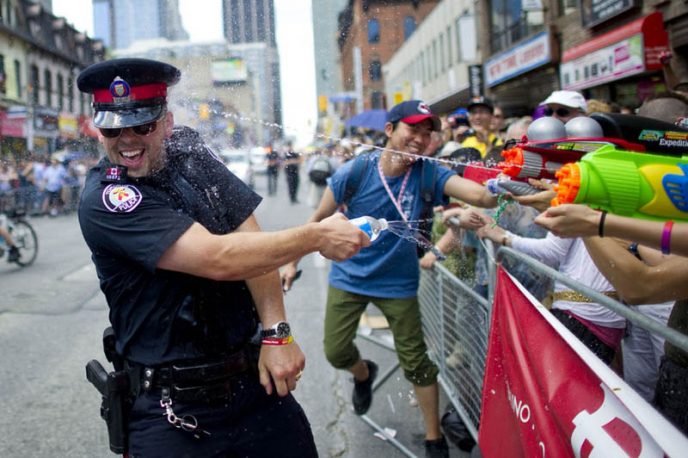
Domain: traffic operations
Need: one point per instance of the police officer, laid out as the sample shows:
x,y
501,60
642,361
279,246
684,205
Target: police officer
x,y
188,277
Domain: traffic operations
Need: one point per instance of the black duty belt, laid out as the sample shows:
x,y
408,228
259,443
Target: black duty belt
x,y
194,381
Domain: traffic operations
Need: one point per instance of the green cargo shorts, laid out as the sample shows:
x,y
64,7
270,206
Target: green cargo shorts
x,y
343,313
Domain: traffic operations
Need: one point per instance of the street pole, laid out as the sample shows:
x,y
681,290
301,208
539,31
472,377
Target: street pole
x,y
358,79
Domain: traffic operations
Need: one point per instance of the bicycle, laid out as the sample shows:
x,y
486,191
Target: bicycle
x,y
23,234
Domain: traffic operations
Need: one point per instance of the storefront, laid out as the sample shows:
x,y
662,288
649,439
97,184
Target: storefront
x,y
523,76
621,66
12,132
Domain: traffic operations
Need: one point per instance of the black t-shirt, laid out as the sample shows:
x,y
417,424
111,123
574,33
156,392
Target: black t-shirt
x,y
158,315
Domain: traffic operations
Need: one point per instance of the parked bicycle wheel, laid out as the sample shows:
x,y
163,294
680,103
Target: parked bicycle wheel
x,y
25,240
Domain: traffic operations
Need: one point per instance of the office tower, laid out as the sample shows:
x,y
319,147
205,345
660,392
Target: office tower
x,y
119,22
253,21
328,78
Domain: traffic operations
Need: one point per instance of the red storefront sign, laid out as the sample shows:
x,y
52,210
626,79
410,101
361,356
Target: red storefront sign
x,y
12,125
545,394
631,49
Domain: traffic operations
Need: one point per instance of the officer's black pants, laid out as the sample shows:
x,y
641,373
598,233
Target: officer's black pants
x,y
251,425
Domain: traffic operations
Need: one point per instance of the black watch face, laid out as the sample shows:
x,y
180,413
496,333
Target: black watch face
x,y
283,330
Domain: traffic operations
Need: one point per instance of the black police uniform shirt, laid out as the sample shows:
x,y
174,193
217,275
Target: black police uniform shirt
x,y
158,315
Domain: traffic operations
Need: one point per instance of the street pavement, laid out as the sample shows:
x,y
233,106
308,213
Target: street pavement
x,y
52,315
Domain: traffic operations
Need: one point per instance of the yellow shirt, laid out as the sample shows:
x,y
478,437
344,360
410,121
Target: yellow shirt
x,y
473,142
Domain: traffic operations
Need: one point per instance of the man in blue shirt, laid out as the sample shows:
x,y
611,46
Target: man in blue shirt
x,y
386,273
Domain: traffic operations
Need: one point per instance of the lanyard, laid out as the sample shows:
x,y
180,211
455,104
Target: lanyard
x,y
396,201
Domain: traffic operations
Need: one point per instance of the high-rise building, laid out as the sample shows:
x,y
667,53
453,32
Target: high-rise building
x,y
117,22
249,21
253,21
328,71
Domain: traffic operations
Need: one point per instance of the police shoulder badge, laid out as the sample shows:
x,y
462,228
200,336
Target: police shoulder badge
x,y
121,198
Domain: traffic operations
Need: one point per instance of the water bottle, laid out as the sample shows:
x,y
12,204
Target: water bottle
x,y
370,225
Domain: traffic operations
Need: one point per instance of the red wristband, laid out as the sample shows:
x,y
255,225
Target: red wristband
x,y
666,237
277,340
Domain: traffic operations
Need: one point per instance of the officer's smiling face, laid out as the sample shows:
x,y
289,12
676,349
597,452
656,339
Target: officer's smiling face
x,y
141,154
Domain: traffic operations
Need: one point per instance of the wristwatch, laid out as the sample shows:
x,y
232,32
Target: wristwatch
x,y
279,330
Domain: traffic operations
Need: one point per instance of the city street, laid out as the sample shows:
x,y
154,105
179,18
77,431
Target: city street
x,y
52,315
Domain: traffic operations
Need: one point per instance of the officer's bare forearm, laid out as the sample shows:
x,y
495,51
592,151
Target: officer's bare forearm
x,y
239,255
268,297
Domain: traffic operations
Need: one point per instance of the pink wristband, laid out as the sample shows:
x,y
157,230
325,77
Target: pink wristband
x,y
666,237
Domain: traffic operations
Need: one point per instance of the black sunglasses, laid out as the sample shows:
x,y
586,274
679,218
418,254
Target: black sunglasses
x,y
563,112
141,130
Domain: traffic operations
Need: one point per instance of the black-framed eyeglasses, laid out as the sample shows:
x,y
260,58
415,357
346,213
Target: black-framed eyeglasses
x,y
562,112
140,130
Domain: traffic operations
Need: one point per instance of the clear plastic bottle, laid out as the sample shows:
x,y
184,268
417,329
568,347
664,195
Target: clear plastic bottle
x,y
370,225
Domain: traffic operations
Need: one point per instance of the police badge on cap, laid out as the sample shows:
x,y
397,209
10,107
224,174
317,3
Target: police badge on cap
x,y
128,92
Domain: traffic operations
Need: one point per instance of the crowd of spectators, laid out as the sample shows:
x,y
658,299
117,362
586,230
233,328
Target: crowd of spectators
x,y
42,185
477,133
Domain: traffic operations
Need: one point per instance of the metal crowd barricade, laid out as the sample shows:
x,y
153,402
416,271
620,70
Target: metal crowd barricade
x,y
456,325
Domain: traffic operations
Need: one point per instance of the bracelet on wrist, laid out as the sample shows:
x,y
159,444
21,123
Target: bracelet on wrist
x,y
666,237
277,341
600,228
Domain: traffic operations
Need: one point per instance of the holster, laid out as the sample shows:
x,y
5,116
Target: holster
x,y
117,399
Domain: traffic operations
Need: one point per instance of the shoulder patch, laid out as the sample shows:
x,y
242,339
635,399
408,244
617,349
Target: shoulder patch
x,y
121,198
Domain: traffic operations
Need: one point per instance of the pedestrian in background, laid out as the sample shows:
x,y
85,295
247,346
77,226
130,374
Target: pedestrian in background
x,y
292,165
272,171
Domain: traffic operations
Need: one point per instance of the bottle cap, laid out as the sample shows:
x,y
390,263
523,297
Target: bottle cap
x,y
383,224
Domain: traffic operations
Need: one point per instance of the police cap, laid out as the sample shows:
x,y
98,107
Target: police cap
x,y
127,92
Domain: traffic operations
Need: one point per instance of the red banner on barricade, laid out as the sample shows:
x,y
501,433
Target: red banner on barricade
x,y
546,395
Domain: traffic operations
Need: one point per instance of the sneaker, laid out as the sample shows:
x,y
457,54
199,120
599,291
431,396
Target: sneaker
x,y
363,391
13,255
437,448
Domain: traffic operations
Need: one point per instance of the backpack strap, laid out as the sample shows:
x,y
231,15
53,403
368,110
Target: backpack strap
x,y
427,188
353,180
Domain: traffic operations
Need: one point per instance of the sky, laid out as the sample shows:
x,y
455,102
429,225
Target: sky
x,y
202,19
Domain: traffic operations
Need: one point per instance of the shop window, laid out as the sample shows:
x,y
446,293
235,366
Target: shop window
x,y
375,70
34,85
409,26
377,100
435,61
60,92
48,88
3,76
442,53
567,7
373,31
17,75
449,47
70,95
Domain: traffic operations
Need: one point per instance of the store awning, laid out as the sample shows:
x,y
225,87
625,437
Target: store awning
x,y
446,103
631,49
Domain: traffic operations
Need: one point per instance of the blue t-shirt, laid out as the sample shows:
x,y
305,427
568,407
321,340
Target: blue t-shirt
x,y
389,267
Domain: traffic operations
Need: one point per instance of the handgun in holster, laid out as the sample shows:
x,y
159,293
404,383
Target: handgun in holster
x,y
115,389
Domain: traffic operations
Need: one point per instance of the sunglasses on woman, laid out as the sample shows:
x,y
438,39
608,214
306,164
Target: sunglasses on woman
x,y
140,130
562,112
